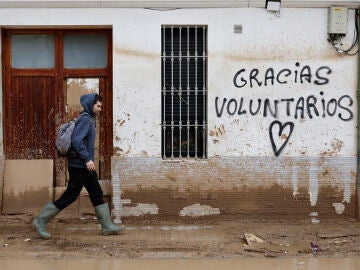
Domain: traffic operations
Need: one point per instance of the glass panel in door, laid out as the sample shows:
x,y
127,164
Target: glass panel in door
x,y
75,88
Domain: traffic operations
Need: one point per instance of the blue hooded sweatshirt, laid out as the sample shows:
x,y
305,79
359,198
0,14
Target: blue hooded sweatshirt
x,y
83,137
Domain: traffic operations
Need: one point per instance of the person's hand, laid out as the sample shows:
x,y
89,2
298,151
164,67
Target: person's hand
x,y
90,166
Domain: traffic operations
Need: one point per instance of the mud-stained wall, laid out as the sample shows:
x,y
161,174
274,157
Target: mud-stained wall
x,y
265,186
28,185
281,120
281,112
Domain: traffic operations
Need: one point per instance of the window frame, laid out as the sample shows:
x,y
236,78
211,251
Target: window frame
x,y
197,140
59,53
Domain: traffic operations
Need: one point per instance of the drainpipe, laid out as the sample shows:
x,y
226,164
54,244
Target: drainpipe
x,y
358,139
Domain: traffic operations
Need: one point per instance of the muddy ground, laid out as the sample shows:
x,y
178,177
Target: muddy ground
x,y
185,238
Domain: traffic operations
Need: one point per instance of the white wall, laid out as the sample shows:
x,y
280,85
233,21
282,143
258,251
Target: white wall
x,y
267,41
278,43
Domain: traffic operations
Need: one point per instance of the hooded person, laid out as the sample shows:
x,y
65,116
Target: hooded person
x,y
82,172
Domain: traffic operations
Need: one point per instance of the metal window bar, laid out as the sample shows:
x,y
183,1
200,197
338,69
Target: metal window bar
x,y
178,45
204,93
164,92
188,93
180,94
196,94
172,92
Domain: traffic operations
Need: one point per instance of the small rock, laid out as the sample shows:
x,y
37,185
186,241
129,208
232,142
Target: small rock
x,y
252,239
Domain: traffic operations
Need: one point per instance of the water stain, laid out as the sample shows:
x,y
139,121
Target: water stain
x,y
274,202
134,53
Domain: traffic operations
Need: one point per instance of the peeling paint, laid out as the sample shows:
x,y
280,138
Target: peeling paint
x,y
313,183
196,210
217,133
347,187
339,208
116,192
144,153
294,181
336,146
118,151
140,209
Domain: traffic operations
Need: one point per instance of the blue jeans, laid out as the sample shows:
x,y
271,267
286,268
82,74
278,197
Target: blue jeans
x,y
79,178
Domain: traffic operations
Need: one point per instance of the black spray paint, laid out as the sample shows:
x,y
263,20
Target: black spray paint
x,y
299,74
312,106
281,127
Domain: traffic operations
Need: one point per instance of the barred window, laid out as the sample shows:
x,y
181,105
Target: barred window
x,y
184,91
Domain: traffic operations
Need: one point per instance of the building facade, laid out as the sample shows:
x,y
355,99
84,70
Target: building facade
x,y
210,108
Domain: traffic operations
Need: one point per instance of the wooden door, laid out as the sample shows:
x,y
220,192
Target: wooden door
x,y
31,98
35,95
29,128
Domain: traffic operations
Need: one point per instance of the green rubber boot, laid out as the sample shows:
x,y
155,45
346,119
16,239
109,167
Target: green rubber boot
x,y
46,214
107,226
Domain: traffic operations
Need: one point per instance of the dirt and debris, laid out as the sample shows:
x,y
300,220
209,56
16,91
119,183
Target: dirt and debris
x,y
182,238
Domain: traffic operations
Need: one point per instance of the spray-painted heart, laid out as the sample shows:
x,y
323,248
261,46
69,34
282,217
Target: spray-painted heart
x,y
281,135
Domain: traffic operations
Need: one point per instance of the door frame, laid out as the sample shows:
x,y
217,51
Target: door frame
x,y
59,73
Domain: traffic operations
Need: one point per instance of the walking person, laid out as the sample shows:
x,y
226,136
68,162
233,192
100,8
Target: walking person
x,y
82,172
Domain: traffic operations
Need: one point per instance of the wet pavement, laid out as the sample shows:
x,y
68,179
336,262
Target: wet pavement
x,y
189,264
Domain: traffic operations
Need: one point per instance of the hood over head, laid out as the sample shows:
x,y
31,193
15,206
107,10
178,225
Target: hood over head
x,y
87,101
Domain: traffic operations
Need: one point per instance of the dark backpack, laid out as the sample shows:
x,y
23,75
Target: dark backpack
x,y
63,138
